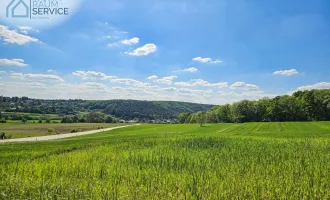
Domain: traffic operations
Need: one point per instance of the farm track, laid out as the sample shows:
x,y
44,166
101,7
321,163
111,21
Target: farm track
x,y
56,137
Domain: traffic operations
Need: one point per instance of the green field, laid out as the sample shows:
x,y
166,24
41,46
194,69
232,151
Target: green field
x,y
34,115
19,130
218,161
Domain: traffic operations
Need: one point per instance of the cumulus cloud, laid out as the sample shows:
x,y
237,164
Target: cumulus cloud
x,y
153,77
192,70
200,82
230,97
12,37
322,85
13,62
244,86
207,60
51,71
2,73
34,77
143,51
26,29
286,72
166,80
127,81
169,89
191,91
92,75
132,41
216,61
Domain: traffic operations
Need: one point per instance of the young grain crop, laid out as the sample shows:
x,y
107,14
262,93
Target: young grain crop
x,y
246,161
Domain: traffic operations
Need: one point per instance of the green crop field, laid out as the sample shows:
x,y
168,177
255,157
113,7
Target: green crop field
x,y
34,115
218,161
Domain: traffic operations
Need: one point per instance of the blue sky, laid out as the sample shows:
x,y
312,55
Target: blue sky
x,y
206,51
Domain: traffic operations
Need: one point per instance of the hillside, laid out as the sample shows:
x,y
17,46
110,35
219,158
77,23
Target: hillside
x,y
124,109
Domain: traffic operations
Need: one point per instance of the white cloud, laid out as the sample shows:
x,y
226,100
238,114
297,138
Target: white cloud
x,y
26,29
51,71
153,77
207,60
230,97
192,70
131,41
127,81
143,51
33,77
244,86
200,82
191,91
2,73
13,62
166,80
92,75
11,36
133,83
322,85
169,89
216,61
286,72
202,60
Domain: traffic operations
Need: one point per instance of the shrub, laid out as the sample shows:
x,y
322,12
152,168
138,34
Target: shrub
x,y
3,121
75,131
51,130
4,136
40,121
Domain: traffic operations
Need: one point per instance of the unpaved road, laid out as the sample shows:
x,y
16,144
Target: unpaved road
x,y
55,137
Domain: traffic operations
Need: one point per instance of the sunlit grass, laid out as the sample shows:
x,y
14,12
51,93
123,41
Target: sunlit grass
x,y
223,161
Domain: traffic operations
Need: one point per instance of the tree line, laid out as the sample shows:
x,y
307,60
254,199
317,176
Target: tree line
x,y
313,105
123,109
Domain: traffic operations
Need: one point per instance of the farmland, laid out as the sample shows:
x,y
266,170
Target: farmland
x,y
19,130
218,161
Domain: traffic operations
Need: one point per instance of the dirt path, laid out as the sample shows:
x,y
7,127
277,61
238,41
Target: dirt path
x,y
55,137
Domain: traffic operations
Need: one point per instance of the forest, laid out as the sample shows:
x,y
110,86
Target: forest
x,y
122,109
311,105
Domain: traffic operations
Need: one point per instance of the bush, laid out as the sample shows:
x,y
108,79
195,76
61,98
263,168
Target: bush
x,y
4,136
75,131
40,121
3,121
51,130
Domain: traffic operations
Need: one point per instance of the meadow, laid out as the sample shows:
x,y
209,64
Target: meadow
x,y
19,130
219,161
34,115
